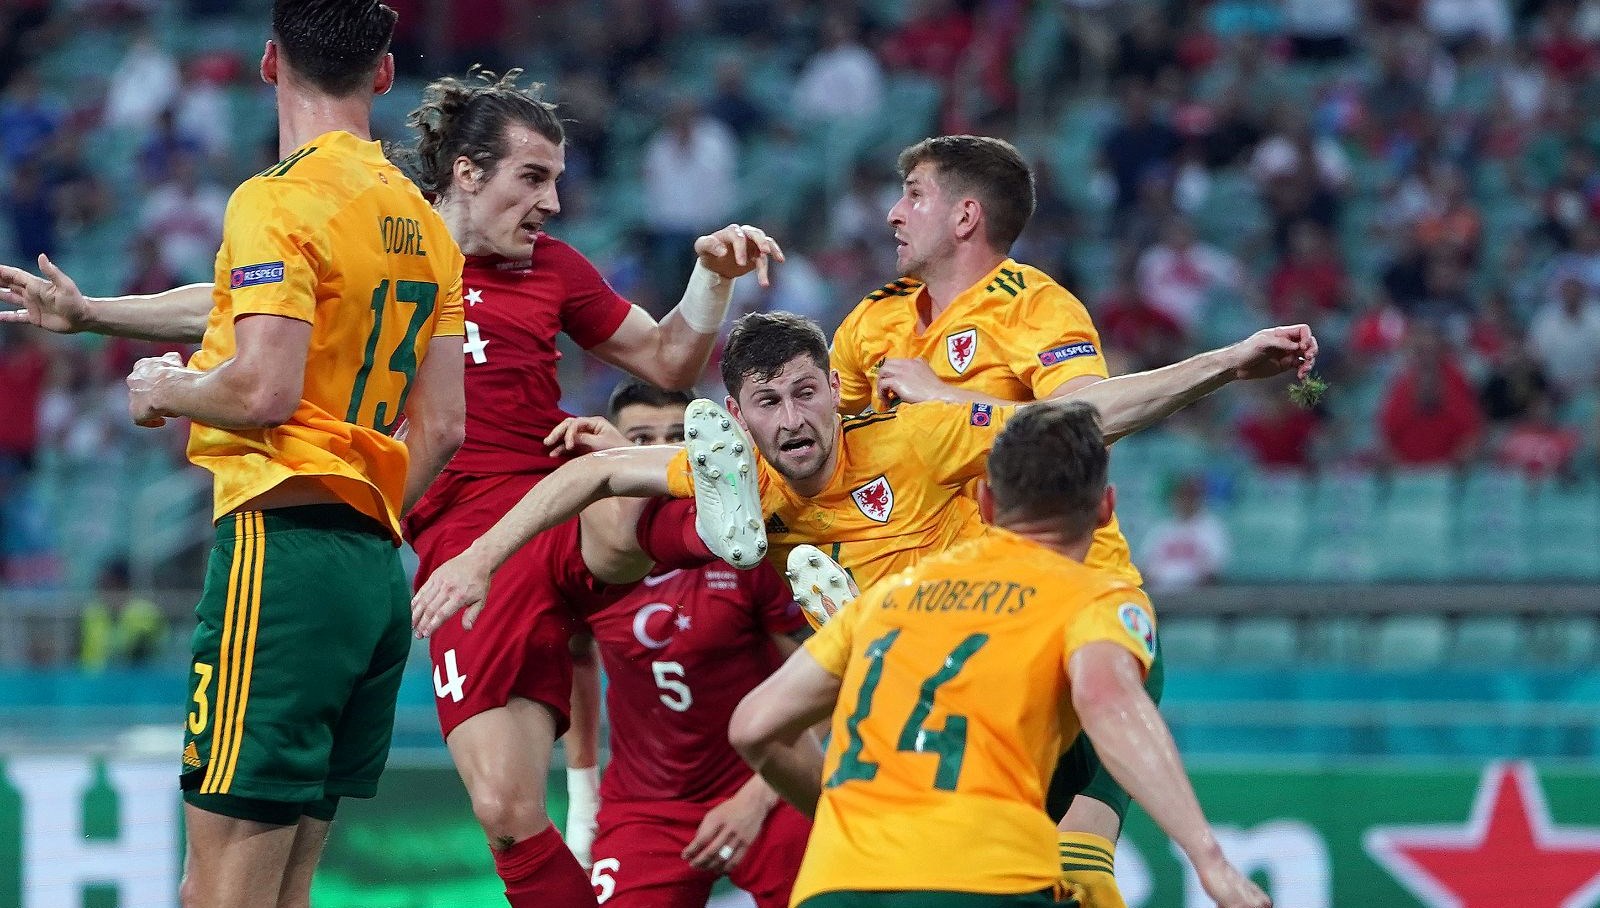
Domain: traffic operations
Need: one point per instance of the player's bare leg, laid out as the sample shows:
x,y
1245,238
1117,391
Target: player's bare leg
x,y
609,539
503,756
309,838
233,863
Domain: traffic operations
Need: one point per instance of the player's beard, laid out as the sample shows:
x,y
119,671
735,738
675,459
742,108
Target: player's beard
x,y
810,463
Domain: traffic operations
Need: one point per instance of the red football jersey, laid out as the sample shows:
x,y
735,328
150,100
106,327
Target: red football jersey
x,y
514,312
680,652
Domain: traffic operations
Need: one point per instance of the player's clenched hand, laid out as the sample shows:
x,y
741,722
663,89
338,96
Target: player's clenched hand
x,y
1231,889
910,380
1272,351
147,374
738,249
460,583
725,834
52,302
583,434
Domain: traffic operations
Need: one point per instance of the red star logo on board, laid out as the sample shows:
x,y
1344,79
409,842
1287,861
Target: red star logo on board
x,y
1509,852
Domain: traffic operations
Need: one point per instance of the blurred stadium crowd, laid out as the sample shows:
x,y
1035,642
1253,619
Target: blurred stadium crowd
x,y
1417,179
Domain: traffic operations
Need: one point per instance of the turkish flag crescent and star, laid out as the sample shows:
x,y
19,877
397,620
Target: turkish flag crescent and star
x,y
1509,851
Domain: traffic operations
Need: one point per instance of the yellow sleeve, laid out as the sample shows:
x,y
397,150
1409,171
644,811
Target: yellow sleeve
x,y
830,646
272,256
1058,342
1120,614
680,479
452,311
855,384
954,440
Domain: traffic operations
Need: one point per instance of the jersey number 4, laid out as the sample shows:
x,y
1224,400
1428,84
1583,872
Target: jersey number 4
x,y
402,360
949,743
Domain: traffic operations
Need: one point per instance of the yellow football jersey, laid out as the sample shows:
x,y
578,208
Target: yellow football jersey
x,y
336,236
954,707
1016,334
896,495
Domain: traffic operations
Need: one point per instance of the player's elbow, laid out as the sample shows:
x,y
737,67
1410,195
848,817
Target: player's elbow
x,y
269,407
746,731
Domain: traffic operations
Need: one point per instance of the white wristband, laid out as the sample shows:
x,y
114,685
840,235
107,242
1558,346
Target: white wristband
x,y
705,300
583,791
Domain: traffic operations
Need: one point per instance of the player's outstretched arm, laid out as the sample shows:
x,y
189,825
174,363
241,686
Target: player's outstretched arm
x,y
436,414
1129,403
257,388
463,581
54,302
771,728
673,354
1136,747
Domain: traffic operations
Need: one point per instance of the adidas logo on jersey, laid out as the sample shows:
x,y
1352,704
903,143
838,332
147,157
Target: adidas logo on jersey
x,y
191,756
775,524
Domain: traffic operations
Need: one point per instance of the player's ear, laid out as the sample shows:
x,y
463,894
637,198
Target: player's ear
x,y
969,217
466,174
985,501
269,63
383,80
1108,506
833,386
732,406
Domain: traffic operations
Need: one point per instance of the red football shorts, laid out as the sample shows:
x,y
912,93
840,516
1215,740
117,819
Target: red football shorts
x,y
638,859
519,645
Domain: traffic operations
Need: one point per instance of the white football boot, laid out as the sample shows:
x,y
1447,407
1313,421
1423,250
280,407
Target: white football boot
x,y
725,488
819,584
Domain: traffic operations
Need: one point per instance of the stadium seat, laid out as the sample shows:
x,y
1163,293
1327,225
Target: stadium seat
x,y
1267,541
1191,641
1344,503
1485,641
1335,640
1341,559
1409,642
1566,641
1264,640
1566,525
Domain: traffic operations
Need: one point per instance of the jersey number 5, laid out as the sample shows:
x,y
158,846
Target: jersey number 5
x,y
949,743
403,360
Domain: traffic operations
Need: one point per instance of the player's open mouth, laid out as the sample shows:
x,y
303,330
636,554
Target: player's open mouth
x,y
796,444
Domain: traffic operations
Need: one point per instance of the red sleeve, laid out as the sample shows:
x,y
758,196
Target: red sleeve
x,y
771,602
590,310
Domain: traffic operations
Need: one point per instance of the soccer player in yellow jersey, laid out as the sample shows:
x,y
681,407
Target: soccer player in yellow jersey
x,y
336,315
966,323
880,492
953,688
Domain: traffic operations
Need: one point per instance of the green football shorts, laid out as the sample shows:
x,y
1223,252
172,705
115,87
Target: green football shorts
x,y
304,627
1079,770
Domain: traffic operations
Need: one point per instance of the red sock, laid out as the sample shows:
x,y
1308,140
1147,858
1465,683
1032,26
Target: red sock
x,y
667,534
539,872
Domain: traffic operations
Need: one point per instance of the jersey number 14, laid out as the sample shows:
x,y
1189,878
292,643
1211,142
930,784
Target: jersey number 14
x,y
422,295
949,743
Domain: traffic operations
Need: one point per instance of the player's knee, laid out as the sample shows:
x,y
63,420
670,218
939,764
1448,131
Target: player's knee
x,y
509,812
189,894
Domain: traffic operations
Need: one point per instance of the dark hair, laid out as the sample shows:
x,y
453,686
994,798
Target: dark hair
x,y
335,44
469,117
635,392
1050,463
990,170
762,343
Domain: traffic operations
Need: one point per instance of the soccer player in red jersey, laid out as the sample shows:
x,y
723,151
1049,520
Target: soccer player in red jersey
x,y
490,153
678,808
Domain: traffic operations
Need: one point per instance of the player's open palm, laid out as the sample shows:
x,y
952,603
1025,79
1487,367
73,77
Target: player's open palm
x,y
52,302
728,830
460,583
737,250
1231,889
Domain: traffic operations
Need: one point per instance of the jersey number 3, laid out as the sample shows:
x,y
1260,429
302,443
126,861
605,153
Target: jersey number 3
x,y
403,360
949,743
